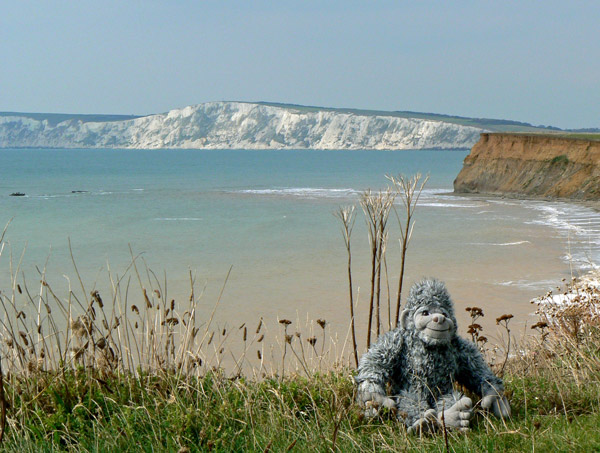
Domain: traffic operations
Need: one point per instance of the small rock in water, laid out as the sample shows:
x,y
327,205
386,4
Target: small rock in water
x,y
17,194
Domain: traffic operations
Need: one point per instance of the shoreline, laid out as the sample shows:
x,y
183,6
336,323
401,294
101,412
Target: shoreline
x,y
592,204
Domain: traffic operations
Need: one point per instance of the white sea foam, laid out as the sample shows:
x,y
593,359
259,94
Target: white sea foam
x,y
302,192
500,244
544,285
578,226
176,219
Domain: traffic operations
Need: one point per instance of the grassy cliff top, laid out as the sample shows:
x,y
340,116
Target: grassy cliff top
x,y
573,135
488,124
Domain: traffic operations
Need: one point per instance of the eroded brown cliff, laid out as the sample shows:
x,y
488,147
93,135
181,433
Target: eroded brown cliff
x,y
532,166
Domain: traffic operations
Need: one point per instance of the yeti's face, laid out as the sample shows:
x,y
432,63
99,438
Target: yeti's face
x,y
434,325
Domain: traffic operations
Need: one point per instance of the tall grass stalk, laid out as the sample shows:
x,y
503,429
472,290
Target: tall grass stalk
x,y
347,216
409,190
376,207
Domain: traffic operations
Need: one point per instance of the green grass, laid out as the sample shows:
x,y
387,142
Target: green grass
x,y
85,411
561,160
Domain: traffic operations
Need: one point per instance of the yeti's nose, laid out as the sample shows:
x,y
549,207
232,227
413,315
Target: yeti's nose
x,y
439,319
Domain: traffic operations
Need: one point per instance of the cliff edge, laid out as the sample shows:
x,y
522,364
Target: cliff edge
x,y
532,166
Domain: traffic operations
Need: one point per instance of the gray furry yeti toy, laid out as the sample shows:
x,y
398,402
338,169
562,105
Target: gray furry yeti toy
x,y
420,360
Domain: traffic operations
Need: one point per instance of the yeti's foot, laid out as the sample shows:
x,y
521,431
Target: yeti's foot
x,y
458,416
425,425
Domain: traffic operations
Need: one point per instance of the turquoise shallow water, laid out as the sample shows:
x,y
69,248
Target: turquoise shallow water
x,y
269,215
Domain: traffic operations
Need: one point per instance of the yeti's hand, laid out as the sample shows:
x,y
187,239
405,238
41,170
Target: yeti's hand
x,y
458,416
425,425
372,396
497,404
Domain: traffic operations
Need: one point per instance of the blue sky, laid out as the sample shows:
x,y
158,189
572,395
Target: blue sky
x,y
534,61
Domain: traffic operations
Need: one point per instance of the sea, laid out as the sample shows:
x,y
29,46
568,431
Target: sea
x,y
254,231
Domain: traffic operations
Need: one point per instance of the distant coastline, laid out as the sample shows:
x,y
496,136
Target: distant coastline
x,y
245,125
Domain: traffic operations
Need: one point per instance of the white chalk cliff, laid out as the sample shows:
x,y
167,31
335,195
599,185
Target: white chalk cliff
x,y
239,125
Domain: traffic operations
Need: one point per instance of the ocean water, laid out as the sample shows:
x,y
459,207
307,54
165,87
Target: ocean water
x,y
268,215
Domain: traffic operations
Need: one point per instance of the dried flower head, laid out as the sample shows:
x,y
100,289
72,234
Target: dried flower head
x,y
504,318
96,298
474,311
322,323
312,340
285,322
24,337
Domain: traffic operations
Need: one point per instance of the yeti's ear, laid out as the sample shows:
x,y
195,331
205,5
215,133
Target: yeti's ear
x,y
404,318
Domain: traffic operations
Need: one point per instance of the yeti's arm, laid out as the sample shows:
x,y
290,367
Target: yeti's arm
x,y
377,366
476,376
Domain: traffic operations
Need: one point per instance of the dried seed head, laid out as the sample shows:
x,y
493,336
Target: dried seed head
x,y
540,325
288,339
245,333
148,303
212,334
19,289
312,340
24,337
260,323
96,297
297,334
258,354
322,323
224,331
157,292
135,309
21,314
503,318
105,324
261,338
101,343
285,322
172,304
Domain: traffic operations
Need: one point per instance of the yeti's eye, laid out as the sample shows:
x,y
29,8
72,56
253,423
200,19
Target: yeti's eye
x,y
425,313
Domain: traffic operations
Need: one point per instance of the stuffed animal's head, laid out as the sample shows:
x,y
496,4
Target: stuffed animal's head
x,y
429,313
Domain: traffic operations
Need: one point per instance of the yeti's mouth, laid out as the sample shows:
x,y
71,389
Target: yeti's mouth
x,y
439,330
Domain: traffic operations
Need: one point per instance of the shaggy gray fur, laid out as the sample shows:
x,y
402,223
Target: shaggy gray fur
x,y
420,373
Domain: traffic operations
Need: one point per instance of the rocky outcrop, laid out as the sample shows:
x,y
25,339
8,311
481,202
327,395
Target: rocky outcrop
x,y
532,166
239,125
